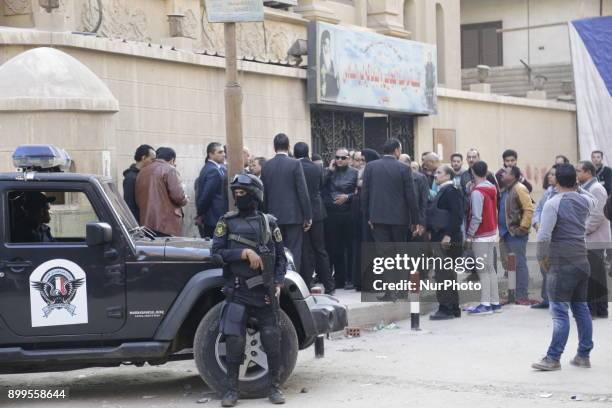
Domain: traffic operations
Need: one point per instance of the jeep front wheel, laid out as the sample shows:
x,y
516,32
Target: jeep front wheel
x,y
209,353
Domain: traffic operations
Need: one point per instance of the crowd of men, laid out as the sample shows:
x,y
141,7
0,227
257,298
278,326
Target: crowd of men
x,y
326,211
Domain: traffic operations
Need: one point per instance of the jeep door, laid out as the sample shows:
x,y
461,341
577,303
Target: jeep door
x,y
52,283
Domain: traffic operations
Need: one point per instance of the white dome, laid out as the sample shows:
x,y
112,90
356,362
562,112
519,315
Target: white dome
x,y
49,79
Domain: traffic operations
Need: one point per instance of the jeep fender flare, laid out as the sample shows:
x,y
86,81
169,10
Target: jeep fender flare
x,y
210,279
198,284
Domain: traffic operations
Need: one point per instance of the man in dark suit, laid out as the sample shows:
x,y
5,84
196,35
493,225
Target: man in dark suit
x,y
389,200
286,196
211,197
422,193
390,204
314,255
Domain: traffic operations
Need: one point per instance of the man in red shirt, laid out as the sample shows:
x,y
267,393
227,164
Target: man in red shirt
x,y
482,232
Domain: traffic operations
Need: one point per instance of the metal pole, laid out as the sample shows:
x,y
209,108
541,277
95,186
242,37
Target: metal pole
x,y
511,263
233,106
320,346
415,304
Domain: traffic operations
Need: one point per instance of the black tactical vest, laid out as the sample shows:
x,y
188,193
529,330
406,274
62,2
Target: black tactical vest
x,y
243,232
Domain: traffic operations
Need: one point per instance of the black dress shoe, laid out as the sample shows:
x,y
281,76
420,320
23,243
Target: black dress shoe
x,y
457,313
387,297
541,305
439,315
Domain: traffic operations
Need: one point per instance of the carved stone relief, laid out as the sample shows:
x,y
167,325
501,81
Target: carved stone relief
x,y
190,25
119,20
24,7
17,7
267,40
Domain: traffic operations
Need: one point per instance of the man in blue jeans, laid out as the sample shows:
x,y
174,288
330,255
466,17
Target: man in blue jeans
x,y
562,253
515,214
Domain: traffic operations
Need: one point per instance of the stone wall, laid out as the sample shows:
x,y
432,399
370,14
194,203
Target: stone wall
x,y
537,130
166,98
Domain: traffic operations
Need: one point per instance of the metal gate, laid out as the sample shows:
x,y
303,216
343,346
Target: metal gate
x,y
333,129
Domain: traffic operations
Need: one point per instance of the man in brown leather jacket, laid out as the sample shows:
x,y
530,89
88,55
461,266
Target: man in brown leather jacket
x,y
160,195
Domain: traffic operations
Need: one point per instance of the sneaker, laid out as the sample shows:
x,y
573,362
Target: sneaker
x,y
547,364
541,305
469,308
496,308
481,310
579,361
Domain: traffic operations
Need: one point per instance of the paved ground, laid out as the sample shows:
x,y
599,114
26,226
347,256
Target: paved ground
x,y
470,362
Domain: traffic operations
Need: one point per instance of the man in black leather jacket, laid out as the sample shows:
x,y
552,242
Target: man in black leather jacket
x,y
340,186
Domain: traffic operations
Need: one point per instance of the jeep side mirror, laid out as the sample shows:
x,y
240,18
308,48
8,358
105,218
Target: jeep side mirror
x,y
98,233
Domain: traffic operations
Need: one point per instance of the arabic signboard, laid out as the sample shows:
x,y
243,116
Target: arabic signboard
x,y
369,71
234,11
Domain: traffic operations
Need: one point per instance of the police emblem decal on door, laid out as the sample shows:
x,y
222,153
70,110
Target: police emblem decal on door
x,y
58,294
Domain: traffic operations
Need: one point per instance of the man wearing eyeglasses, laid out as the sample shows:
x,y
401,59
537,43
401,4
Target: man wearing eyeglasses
x,y
340,187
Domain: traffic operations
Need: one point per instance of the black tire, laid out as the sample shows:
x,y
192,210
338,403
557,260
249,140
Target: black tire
x,y
205,355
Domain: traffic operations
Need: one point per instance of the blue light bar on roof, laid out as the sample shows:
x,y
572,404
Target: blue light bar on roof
x,y
41,158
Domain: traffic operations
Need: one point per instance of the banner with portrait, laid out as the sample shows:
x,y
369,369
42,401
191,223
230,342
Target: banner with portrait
x,y
369,71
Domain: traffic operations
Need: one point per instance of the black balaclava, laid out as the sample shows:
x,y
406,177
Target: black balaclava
x,y
246,203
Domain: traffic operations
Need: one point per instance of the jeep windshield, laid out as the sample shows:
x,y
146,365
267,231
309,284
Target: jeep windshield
x,y
120,206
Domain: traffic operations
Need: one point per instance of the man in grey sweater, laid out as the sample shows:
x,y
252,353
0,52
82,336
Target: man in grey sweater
x,y
562,254
597,237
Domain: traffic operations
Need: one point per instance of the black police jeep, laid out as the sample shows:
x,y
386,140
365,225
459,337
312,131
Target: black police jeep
x,y
84,286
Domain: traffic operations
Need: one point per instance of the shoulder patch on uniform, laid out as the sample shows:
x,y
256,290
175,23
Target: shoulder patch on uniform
x,y
278,237
221,228
231,214
271,219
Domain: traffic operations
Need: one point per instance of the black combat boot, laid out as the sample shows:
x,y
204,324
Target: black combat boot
x,y
275,395
230,398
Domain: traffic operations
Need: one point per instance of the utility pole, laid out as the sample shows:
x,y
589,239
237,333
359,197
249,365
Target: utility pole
x,y
233,106
229,13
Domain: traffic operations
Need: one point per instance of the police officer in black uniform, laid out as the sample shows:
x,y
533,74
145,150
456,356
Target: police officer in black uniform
x,y
32,226
251,246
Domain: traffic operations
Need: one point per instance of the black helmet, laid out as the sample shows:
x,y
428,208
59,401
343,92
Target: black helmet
x,y
250,183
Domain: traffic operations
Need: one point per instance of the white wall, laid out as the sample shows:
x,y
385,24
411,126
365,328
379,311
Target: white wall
x,y
537,130
546,45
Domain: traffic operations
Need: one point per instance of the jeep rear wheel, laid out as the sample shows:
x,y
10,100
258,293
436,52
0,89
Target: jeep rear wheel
x,y
209,353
